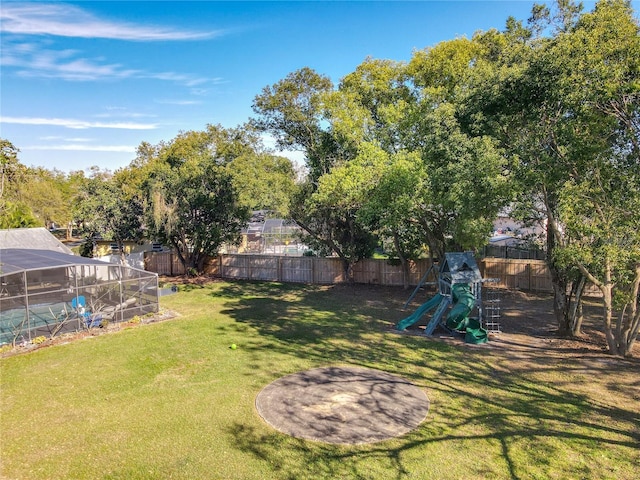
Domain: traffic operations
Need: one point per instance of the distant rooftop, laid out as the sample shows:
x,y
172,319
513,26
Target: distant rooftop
x,y
35,248
32,238
261,226
14,260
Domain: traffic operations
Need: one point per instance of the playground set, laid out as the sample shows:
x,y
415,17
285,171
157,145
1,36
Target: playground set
x,y
460,287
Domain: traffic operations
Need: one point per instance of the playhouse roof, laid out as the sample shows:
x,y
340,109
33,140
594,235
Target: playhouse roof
x,y
461,267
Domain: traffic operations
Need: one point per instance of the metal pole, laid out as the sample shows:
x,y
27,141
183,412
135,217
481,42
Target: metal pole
x,y
420,283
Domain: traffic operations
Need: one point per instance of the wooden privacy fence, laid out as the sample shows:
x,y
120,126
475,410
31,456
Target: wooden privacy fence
x,y
531,275
290,269
163,263
528,275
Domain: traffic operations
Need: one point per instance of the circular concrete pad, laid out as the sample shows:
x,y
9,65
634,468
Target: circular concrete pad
x,y
343,405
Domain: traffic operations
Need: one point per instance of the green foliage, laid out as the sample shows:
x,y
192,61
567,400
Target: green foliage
x,y
599,201
194,204
291,112
10,168
31,197
14,211
17,215
564,108
369,105
263,182
410,112
108,206
466,184
49,194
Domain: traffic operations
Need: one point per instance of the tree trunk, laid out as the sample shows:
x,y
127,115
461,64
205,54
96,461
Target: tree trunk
x,y
621,339
632,334
629,323
200,263
404,264
575,312
347,269
561,300
184,259
607,303
577,320
606,287
123,257
559,280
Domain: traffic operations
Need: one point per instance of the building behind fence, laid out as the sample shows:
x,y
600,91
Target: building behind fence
x,y
513,251
529,275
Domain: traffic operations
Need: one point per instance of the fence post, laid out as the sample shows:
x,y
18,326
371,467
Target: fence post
x,y
313,270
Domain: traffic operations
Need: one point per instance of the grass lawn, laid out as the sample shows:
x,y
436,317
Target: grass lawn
x,y
172,400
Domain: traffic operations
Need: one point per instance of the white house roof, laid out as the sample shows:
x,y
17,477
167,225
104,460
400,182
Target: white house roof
x,y
14,260
35,248
32,238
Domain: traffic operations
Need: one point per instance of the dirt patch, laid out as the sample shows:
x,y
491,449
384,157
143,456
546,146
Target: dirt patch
x,y
343,405
530,316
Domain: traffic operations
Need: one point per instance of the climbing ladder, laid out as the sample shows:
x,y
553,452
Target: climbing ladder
x,y
491,310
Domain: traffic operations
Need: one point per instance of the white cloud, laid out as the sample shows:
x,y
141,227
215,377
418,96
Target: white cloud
x,y
33,61
84,148
67,64
122,112
71,21
77,124
51,138
36,59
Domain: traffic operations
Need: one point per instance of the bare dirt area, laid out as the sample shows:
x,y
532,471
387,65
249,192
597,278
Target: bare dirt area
x,y
529,329
528,324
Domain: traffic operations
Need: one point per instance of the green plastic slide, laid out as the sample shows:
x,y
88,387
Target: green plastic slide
x,y
417,315
458,318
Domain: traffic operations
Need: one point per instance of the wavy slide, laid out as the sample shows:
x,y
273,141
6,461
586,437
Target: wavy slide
x,y
458,318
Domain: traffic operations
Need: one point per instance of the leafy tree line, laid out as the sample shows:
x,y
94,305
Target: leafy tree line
x,y
541,118
193,193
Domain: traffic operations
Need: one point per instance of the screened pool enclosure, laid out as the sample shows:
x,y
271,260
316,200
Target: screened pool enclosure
x,y
44,293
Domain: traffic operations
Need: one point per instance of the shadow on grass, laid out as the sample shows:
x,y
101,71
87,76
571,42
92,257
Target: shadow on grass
x,y
485,398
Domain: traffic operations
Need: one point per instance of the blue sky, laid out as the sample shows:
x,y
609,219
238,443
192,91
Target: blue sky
x,y
84,83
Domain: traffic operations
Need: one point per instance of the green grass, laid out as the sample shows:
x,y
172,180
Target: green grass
x,y
172,400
